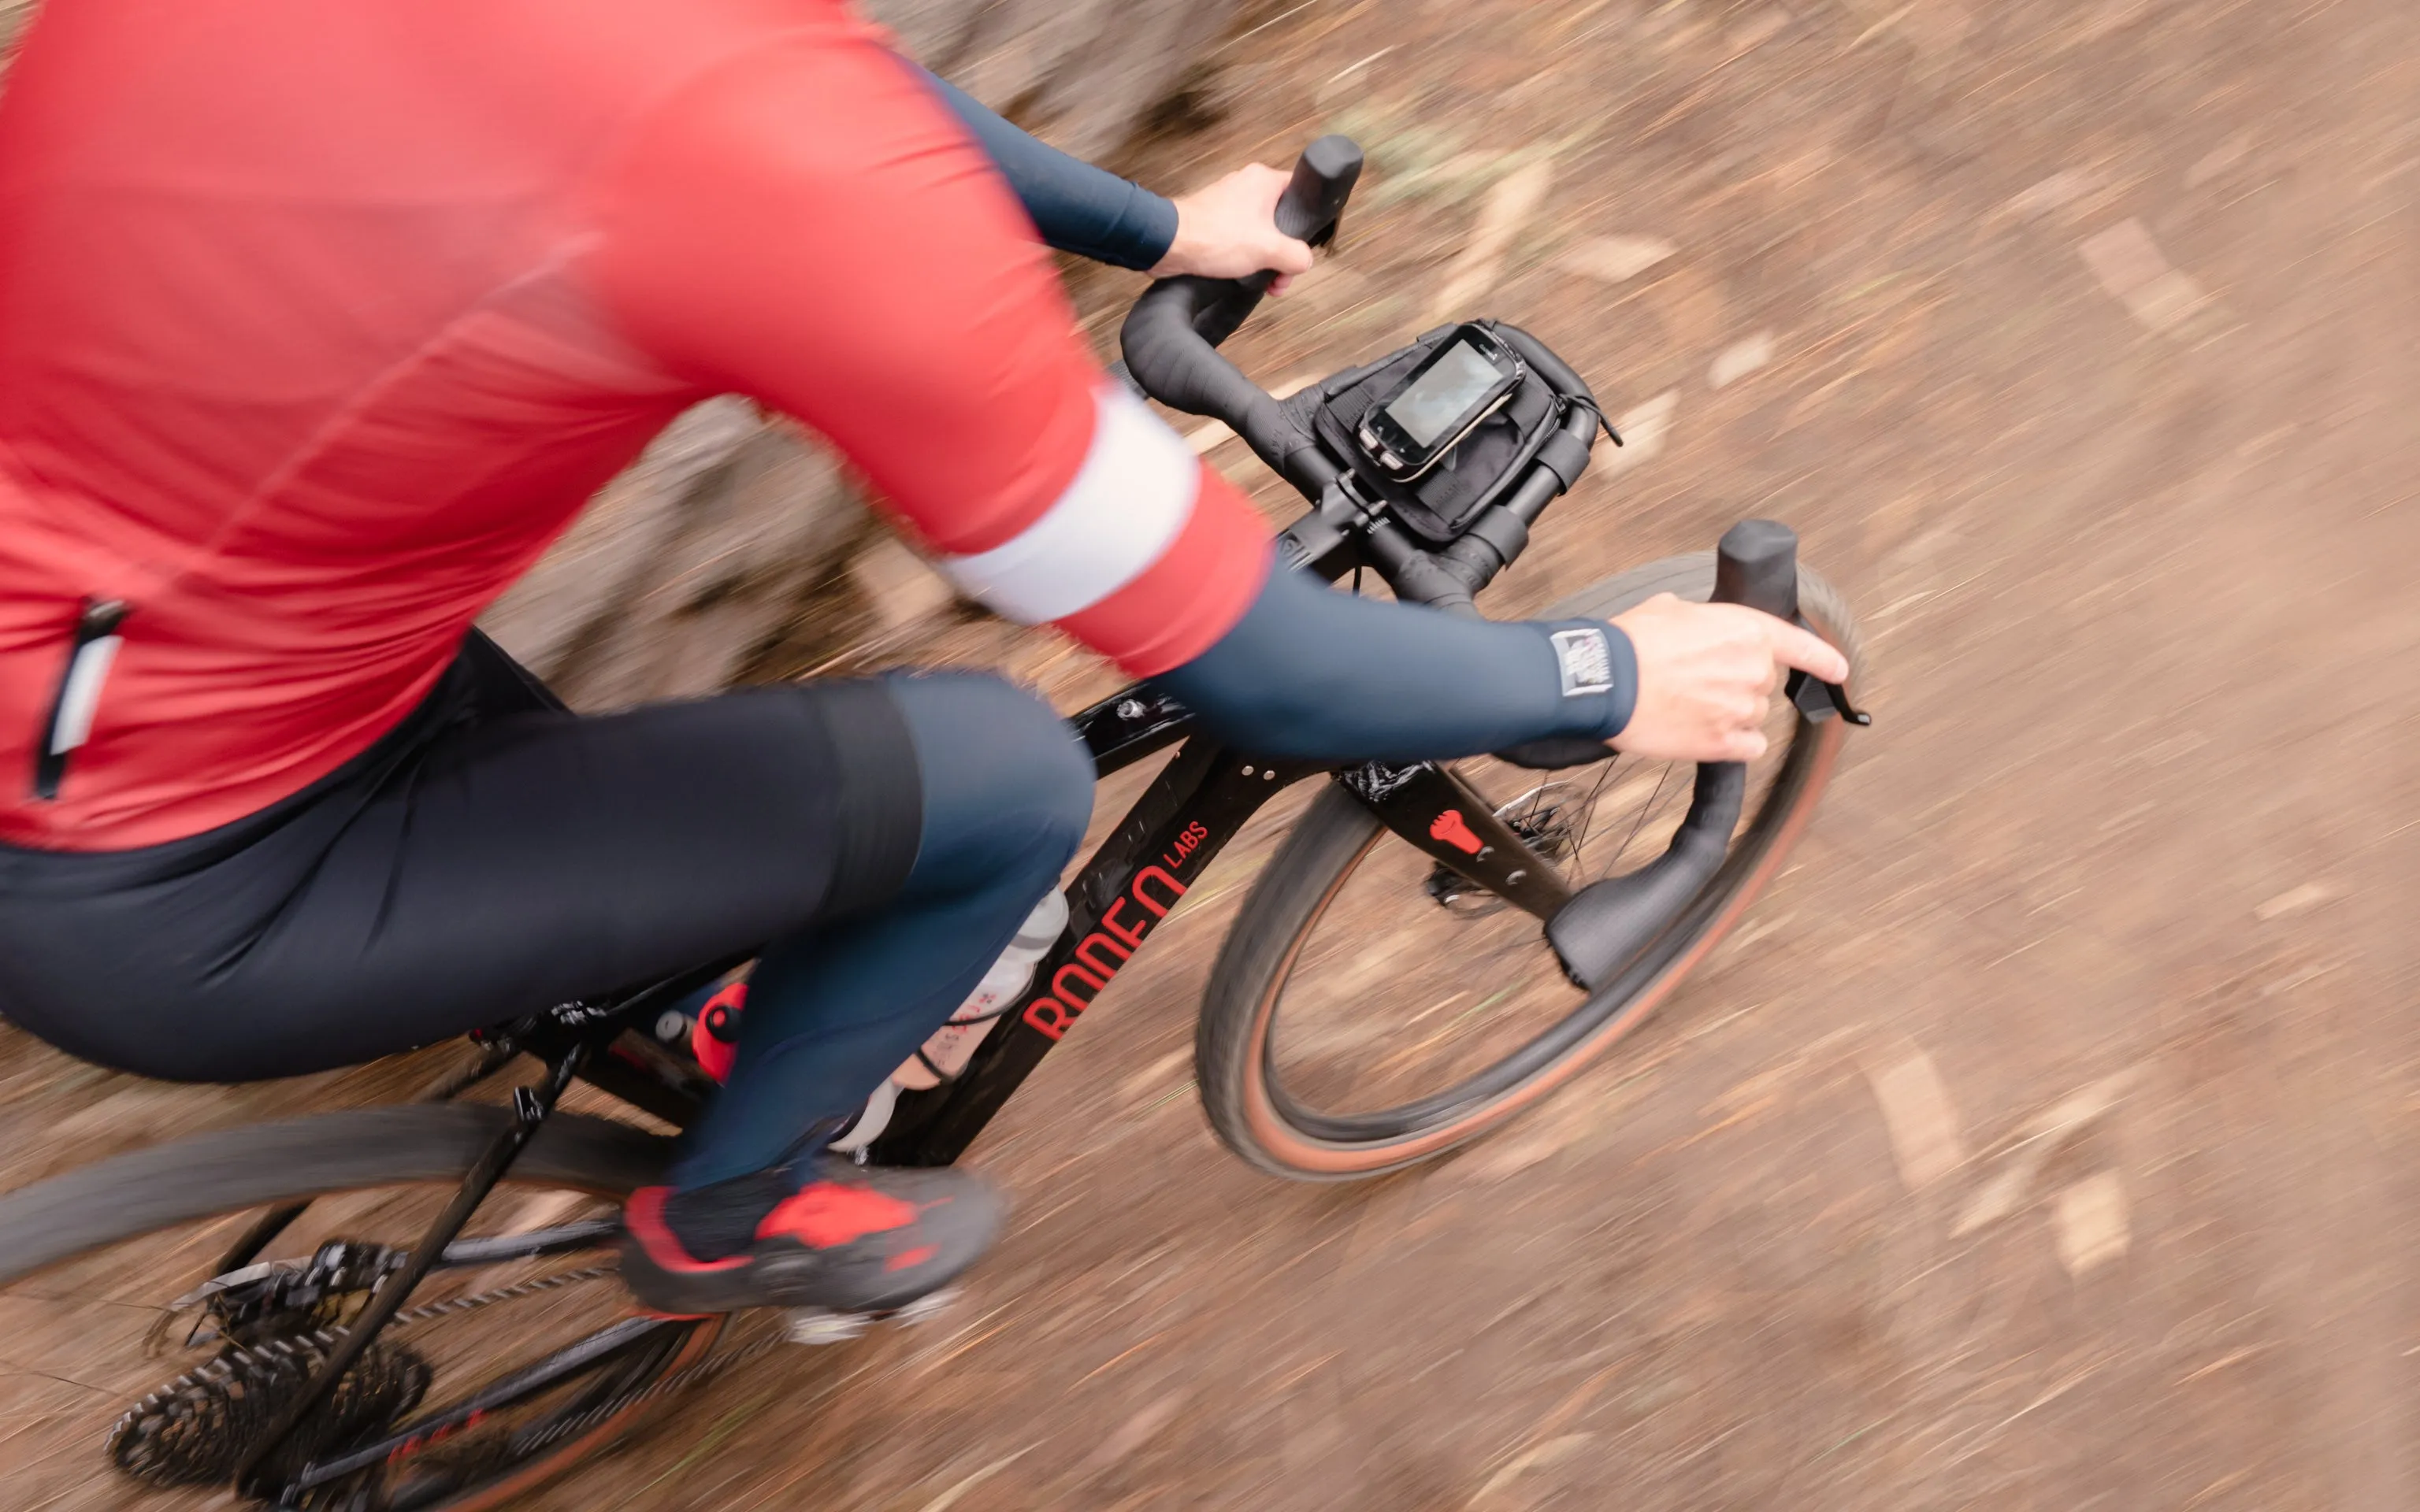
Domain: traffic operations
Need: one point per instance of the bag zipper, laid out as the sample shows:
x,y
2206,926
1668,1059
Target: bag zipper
x,y
89,656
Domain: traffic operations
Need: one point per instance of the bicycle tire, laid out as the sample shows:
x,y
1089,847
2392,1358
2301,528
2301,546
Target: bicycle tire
x,y
148,1191
1233,1054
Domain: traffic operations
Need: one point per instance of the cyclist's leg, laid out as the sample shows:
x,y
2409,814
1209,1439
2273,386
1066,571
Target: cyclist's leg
x,y
480,867
471,869
832,1012
1006,794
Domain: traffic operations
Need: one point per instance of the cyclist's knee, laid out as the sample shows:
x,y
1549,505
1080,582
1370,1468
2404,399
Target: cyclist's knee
x,y
1059,772
999,768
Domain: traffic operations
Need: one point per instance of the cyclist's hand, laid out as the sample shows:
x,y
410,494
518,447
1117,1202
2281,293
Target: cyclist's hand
x,y
1228,229
1707,675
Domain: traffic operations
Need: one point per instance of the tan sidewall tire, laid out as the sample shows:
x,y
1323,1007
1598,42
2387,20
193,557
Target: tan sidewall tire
x,y
1292,895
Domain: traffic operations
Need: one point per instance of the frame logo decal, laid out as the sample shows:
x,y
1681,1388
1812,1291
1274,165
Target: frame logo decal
x,y
1098,956
1455,830
1187,843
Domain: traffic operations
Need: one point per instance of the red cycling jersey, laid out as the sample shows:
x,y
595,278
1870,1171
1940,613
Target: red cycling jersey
x,y
318,322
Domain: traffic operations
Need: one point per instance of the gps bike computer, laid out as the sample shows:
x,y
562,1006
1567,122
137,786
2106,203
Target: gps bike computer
x,y
1454,388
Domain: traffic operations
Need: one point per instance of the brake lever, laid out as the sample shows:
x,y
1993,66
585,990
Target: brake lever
x,y
1819,700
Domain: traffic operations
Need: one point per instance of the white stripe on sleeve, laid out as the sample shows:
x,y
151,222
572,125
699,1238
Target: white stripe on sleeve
x,y
1129,500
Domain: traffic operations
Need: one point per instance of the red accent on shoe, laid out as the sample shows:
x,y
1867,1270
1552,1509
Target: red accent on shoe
x,y
828,1214
912,1258
715,1040
644,1217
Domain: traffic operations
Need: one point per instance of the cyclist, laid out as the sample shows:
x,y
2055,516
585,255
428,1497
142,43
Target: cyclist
x,y
317,322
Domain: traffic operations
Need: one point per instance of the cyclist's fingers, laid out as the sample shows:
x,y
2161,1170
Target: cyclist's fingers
x,y
1744,746
1807,651
1287,257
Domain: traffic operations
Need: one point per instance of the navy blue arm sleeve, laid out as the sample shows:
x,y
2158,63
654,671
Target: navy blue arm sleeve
x,y
1309,672
1077,207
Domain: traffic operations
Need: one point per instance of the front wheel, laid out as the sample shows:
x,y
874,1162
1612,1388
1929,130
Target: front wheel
x,y
1372,1008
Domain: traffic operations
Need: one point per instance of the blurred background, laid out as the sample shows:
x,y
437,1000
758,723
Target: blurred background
x,y
2044,1140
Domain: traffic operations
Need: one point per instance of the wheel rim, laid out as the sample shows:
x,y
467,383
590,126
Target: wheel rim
x,y
1516,1051
1285,1127
101,1367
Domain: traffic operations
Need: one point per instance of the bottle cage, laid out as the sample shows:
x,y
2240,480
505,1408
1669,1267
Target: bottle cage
x,y
1442,503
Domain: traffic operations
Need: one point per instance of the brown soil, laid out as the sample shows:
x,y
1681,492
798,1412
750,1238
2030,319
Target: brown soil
x,y
2042,1141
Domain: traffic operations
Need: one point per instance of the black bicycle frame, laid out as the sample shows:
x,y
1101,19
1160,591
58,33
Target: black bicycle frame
x,y
1133,884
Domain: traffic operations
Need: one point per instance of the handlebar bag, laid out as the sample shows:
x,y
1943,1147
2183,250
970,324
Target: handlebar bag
x,y
1442,503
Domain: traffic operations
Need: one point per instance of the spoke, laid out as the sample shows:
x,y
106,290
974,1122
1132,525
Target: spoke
x,y
1588,813
12,1367
1644,810
1538,795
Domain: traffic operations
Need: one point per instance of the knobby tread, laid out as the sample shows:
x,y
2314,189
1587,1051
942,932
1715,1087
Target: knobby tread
x,y
258,1165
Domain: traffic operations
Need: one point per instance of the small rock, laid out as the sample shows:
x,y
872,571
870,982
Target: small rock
x,y
1150,1077
2294,901
1508,206
2042,1139
2091,1219
1134,1433
1537,1456
1614,260
2130,266
950,1498
1644,429
1922,1124
2054,192
1738,360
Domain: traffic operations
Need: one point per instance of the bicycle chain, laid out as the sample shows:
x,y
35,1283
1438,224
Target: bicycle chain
x,y
305,1351
431,1311
713,1365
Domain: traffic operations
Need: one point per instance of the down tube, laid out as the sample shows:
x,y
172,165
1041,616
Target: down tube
x,y
1123,893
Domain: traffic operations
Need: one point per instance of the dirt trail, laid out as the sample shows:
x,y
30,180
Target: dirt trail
x,y
2045,1141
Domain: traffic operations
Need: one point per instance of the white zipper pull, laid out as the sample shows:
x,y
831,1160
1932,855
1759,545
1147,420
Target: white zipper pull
x,y
89,656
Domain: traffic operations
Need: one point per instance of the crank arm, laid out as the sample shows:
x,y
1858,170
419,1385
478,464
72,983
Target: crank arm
x,y
1434,811
565,1239
567,1361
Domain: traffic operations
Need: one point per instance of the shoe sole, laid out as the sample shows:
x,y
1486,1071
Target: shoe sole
x,y
820,1325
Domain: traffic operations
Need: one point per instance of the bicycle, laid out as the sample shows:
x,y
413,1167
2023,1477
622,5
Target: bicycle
x,y
357,1369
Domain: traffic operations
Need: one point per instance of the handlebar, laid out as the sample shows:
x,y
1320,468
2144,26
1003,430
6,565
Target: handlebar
x,y
1170,340
1171,335
1757,564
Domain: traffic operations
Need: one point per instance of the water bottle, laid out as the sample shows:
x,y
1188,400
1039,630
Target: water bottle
x,y
954,1043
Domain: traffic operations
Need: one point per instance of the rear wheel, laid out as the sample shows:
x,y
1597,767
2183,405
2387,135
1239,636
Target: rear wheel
x,y
1372,1008
136,1357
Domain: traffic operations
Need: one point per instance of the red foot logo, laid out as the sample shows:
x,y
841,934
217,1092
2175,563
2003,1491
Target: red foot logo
x,y
1450,828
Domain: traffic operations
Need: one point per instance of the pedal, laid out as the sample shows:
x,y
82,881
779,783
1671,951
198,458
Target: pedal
x,y
924,1308
821,1325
